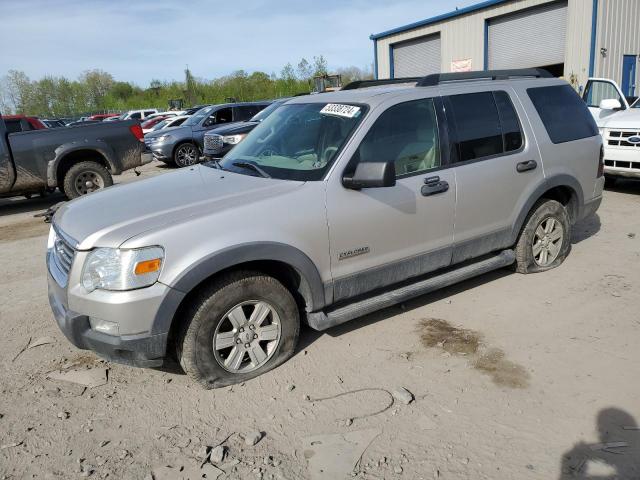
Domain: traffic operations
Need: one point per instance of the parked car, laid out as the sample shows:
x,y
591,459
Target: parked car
x,y
78,160
148,124
169,123
83,122
336,205
22,123
53,122
182,145
219,141
168,113
112,119
138,114
103,116
619,124
192,110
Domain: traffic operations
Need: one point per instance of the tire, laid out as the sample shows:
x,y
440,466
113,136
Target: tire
x,y
610,182
210,315
186,154
552,215
76,180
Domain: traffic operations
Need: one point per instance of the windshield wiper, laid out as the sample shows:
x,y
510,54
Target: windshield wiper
x,y
251,166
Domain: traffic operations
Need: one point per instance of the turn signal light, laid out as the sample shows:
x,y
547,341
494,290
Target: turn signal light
x,y
148,266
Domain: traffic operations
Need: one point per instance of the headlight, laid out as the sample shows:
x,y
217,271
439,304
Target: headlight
x,y
161,138
52,238
122,269
233,139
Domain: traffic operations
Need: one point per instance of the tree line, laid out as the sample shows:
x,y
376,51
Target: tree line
x,y
96,91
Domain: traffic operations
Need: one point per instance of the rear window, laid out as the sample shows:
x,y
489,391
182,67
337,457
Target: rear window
x,y
13,126
564,115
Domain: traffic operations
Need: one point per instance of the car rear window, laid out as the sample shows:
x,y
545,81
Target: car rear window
x,y
564,115
13,126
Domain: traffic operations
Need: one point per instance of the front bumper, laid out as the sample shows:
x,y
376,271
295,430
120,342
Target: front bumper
x,y
161,150
154,306
622,161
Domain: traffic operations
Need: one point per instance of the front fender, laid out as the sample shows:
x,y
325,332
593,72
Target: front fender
x,y
65,149
311,283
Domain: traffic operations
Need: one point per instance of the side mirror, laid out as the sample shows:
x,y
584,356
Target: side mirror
x,y
610,104
371,175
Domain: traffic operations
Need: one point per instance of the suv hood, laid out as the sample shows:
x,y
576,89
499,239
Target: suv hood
x,y
626,119
168,131
110,217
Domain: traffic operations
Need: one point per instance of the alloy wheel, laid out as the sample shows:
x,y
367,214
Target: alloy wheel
x,y
547,241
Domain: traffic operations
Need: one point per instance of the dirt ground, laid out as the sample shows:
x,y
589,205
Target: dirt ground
x,y
513,377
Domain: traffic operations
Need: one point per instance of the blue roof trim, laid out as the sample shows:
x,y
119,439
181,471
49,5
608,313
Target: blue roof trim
x,y
439,18
594,26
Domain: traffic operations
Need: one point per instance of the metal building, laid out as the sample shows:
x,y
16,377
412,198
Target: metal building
x,y
574,39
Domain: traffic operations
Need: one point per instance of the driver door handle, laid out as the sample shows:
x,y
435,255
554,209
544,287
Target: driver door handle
x,y
433,185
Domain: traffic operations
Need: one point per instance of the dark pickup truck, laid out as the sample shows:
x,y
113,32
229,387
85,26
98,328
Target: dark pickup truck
x,y
77,160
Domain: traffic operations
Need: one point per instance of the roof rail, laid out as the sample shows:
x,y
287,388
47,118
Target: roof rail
x,y
374,83
438,78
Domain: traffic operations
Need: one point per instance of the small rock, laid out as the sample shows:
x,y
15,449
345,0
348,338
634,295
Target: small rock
x,y
397,470
631,235
530,467
104,443
338,379
63,415
251,438
306,398
403,395
123,454
217,454
290,388
348,422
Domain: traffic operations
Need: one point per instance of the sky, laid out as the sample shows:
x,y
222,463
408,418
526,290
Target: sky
x,y
141,40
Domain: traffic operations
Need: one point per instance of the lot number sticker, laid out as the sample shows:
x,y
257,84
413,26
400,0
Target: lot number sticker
x,y
348,111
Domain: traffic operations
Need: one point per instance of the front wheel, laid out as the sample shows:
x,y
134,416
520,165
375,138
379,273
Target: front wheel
x,y
186,154
85,177
545,240
241,326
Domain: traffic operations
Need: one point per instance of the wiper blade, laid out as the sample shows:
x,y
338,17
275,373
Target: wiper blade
x,y
251,166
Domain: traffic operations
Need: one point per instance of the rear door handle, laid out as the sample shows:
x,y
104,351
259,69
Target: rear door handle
x,y
526,166
433,185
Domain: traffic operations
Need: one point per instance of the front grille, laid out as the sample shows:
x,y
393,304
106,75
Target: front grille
x,y
620,138
213,142
62,254
622,164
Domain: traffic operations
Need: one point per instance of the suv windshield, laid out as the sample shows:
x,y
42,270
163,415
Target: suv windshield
x,y
296,142
198,116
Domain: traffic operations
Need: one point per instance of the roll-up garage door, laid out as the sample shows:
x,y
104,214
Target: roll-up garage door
x,y
417,57
531,38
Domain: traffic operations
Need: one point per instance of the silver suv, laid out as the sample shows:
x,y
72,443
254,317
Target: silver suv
x,y
336,205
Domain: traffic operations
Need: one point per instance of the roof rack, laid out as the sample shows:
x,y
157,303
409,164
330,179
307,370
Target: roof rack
x,y
438,78
375,83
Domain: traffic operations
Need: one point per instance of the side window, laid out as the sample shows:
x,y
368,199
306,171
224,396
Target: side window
x,y
563,113
245,112
406,133
597,91
13,126
149,112
136,116
224,115
476,125
511,131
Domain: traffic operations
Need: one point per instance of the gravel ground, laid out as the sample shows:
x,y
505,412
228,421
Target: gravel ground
x,y
506,376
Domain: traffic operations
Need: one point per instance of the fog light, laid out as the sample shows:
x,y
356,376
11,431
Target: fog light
x,y
103,326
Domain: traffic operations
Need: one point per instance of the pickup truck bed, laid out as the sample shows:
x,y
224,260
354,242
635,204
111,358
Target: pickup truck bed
x,y
77,159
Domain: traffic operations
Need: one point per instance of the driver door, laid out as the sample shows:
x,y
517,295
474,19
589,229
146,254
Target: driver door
x,y
599,89
382,236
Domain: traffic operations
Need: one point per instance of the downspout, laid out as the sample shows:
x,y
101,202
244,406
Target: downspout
x,y
594,25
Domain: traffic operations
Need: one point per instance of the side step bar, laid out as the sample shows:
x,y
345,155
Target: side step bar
x,y
326,319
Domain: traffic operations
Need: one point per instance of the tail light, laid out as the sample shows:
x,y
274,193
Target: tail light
x,y
137,131
601,162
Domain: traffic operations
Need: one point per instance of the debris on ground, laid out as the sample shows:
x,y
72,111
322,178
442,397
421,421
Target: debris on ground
x,y
608,445
251,438
63,415
11,445
290,388
92,378
217,454
402,395
335,456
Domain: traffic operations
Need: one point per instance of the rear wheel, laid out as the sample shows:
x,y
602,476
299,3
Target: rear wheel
x,y
242,326
545,240
85,177
186,154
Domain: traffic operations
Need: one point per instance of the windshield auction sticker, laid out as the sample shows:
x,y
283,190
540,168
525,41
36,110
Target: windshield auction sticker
x,y
348,111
